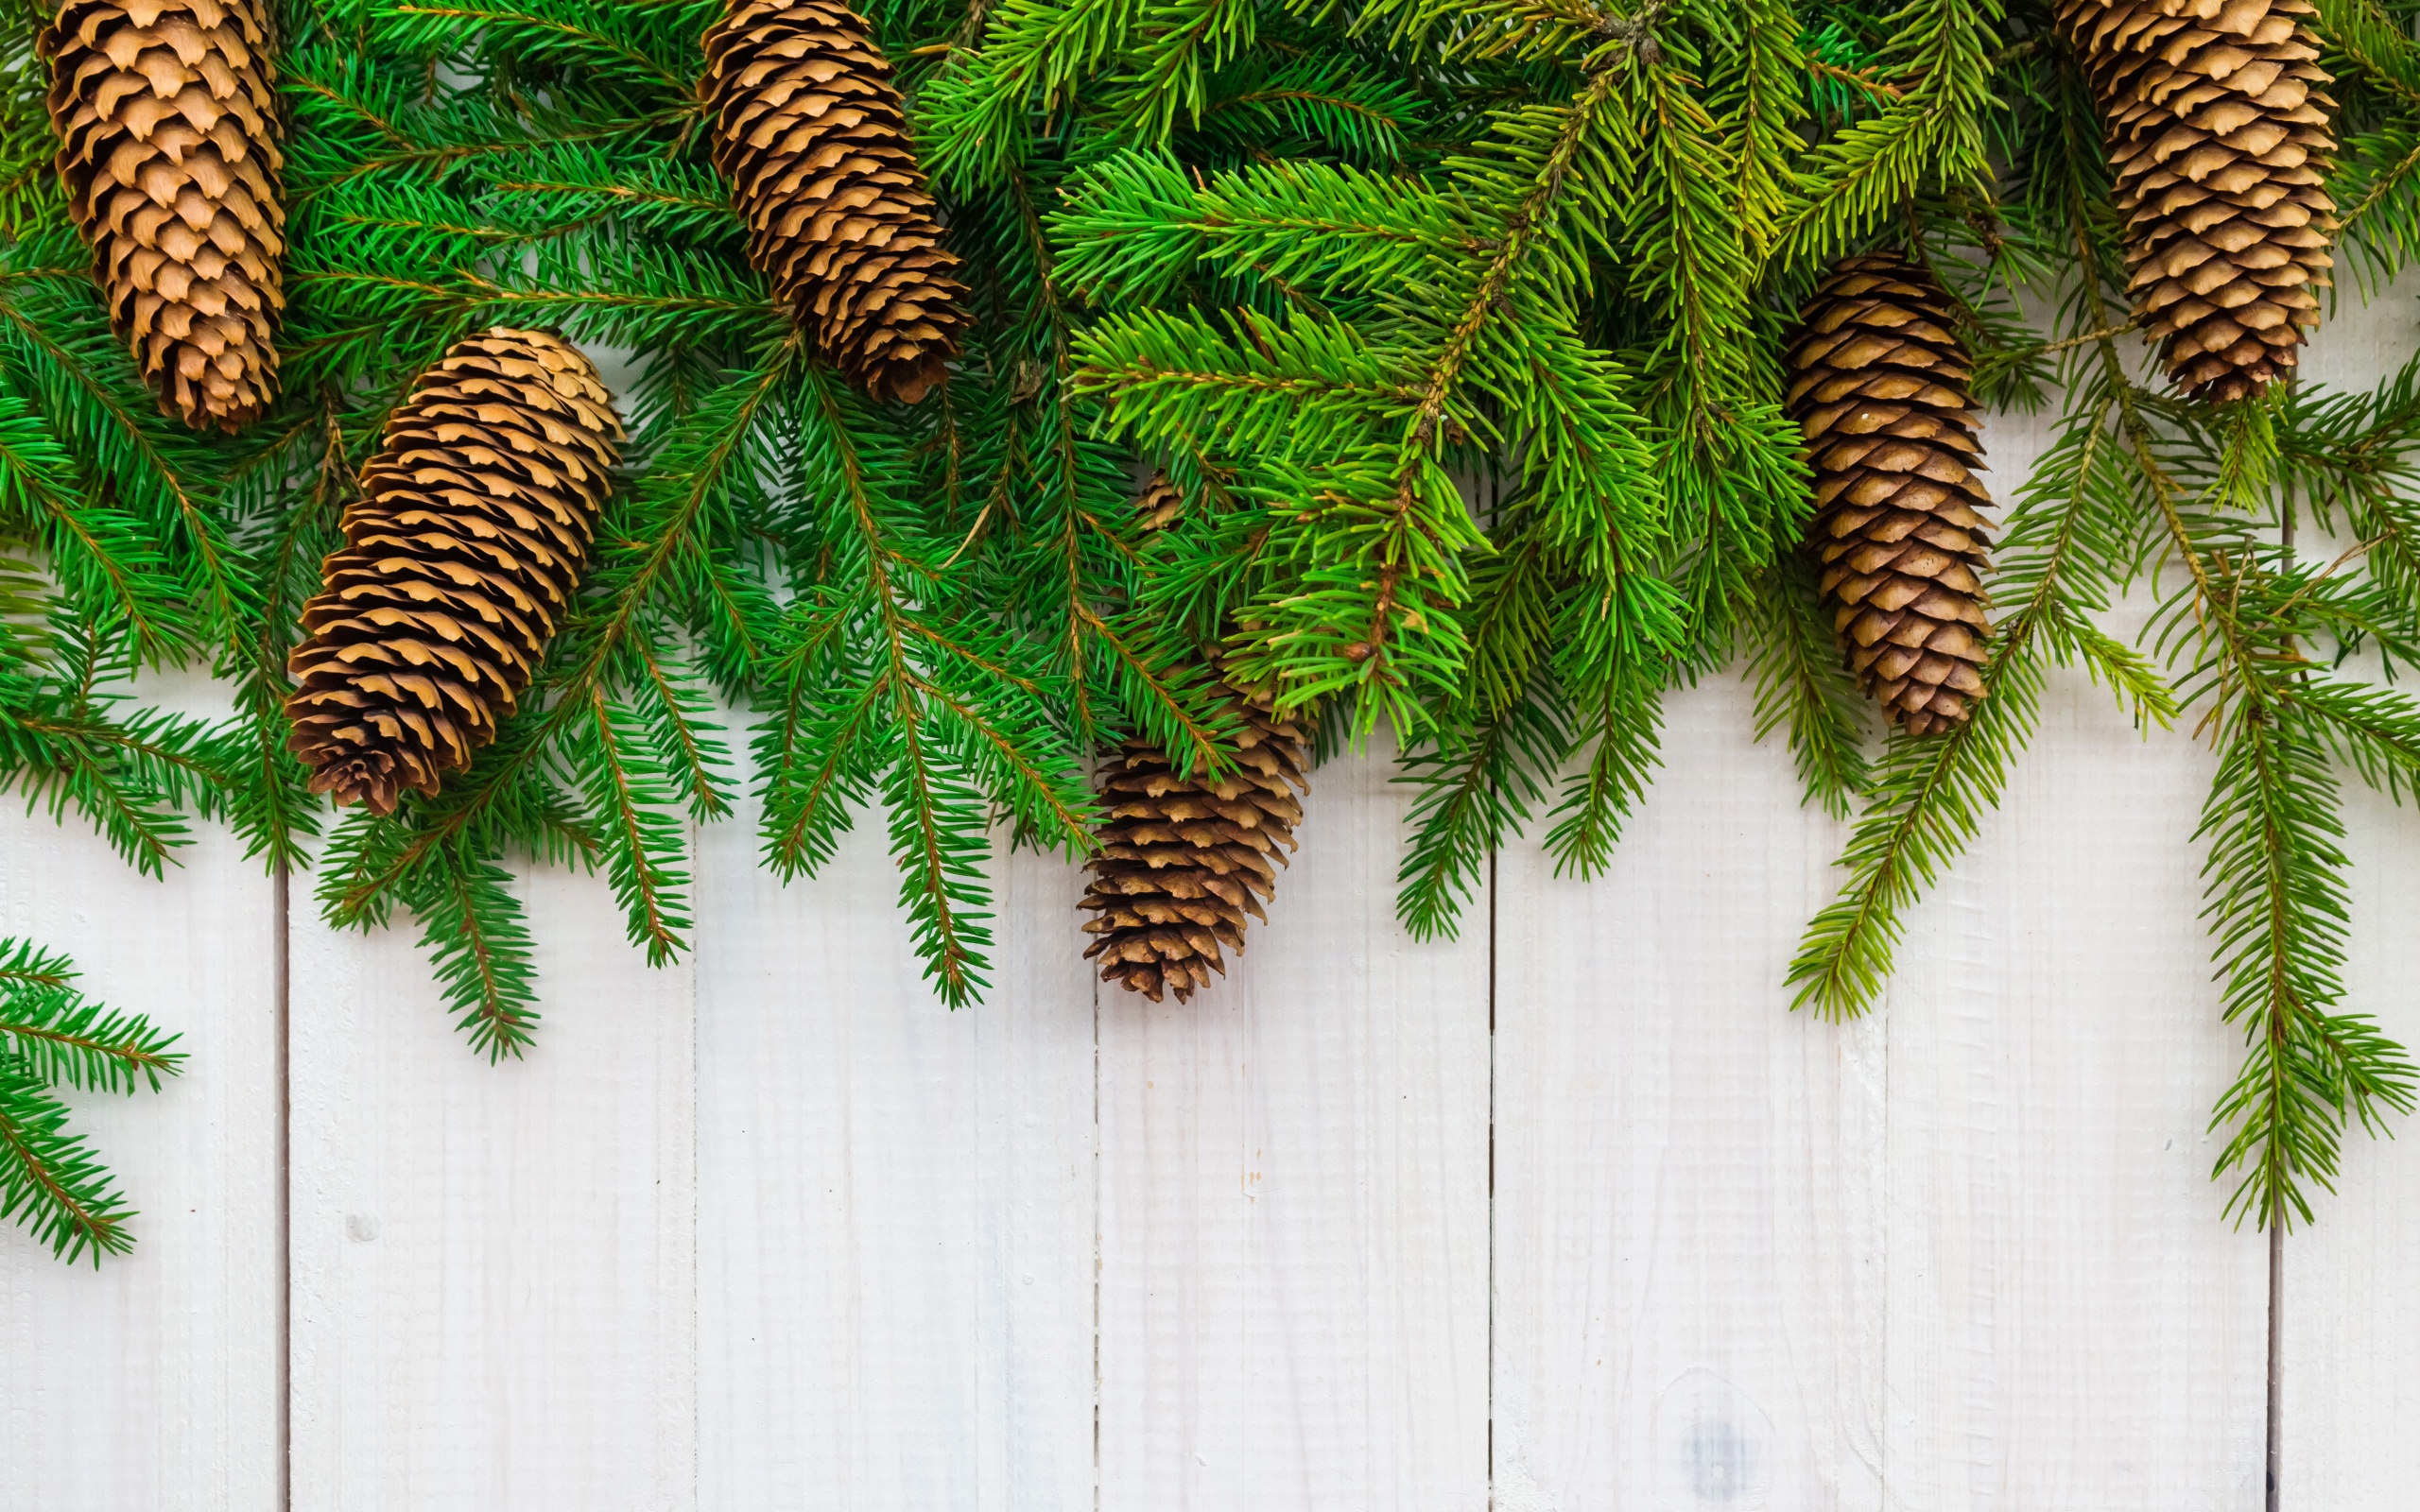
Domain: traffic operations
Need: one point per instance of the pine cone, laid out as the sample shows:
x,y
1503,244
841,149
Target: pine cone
x,y
2218,135
461,557
812,135
1182,861
1880,386
167,123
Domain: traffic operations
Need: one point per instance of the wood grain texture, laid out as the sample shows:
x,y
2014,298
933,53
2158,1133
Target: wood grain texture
x,y
773,1229
151,1382
493,1266
2071,1322
2351,1316
1293,1286
1962,1255
1688,1184
2350,1356
896,1242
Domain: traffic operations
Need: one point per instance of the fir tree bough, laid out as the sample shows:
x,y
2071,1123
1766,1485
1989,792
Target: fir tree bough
x,y
52,1037
1460,332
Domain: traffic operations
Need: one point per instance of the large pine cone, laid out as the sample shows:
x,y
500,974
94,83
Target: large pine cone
x,y
1182,861
811,134
166,118
1879,385
461,557
2218,135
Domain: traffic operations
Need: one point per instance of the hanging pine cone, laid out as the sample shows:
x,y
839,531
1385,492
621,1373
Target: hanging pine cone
x,y
2219,136
462,556
168,127
1879,384
1182,861
812,135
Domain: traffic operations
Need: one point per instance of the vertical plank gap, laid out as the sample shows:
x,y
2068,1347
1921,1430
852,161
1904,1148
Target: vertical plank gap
x,y
1488,1361
279,894
1099,1249
2275,1445
2276,1353
698,872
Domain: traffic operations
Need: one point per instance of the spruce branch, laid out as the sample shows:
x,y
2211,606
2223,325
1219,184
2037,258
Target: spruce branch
x,y
51,1035
1801,685
1932,131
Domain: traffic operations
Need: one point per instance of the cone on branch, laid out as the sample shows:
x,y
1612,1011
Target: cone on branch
x,y
1878,382
1183,860
2219,136
811,134
462,556
167,115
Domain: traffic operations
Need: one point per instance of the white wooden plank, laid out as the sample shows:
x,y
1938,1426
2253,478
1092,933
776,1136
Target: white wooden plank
x,y
1294,1206
1687,1176
896,1243
2349,1320
493,1266
2350,1357
2072,1321
153,1382
1970,1260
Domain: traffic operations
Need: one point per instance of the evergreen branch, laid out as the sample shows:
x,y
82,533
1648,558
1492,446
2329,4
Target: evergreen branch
x,y
1179,43
2278,908
478,943
1801,684
1623,716
1477,789
1411,534
628,799
56,1036
1929,797
1932,131
52,1036
146,465
1033,53
571,32
50,1180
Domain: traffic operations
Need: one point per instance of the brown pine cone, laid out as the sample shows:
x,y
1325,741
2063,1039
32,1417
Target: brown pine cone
x,y
166,114
813,138
461,557
1879,385
1182,861
2218,135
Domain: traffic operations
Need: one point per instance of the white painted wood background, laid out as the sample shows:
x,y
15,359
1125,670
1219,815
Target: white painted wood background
x,y
1569,1215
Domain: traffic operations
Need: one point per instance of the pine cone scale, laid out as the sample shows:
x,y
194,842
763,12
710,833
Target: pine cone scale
x,y
474,522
